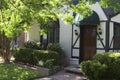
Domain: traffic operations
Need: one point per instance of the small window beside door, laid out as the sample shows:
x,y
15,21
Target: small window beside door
x,y
116,38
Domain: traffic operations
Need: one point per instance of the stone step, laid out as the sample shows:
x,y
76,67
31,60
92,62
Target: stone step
x,y
73,69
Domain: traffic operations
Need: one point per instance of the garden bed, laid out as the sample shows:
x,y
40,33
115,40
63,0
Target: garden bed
x,y
43,70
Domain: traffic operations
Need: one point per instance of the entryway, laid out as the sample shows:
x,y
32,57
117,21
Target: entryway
x,y
84,42
87,41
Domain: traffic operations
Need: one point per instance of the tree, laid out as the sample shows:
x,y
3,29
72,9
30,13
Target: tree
x,y
111,4
17,15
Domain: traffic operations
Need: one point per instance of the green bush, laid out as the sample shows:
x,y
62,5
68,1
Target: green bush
x,y
56,47
112,62
15,72
49,63
32,56
93,70
32,45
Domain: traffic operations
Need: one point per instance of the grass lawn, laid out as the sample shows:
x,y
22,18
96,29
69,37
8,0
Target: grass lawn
x,y
14,72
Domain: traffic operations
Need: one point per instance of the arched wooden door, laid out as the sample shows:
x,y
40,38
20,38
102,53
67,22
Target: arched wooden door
x,y
87,41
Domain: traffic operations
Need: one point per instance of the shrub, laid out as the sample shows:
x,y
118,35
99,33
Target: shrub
x,y
56,47
32,44
93,70
33,56
49,63
110,60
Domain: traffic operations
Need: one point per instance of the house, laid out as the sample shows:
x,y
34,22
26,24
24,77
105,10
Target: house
x,y
98,33
83,41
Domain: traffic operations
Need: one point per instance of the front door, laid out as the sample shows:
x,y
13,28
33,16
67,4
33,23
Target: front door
x,y
87,41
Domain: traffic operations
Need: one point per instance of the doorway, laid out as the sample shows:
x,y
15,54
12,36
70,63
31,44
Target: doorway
x,y
87,41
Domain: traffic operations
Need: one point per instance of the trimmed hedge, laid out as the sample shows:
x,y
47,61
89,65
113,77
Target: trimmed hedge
x,y
104,66
32,56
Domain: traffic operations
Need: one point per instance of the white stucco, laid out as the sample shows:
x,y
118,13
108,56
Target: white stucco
x,y
102,35
75,51
111,33
66,40
101,29
76,30
97,8
116,18
33,33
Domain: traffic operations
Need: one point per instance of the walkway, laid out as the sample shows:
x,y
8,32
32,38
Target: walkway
x,y
63,75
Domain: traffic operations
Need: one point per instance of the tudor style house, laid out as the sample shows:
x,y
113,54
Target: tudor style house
x,y
98,33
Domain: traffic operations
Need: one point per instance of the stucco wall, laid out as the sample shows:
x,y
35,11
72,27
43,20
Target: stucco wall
x,y
101,28
96,7
33,33
111,34
65,38
116,18
75,36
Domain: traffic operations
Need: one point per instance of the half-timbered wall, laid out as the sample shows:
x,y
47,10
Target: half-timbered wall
x,y
101,37
69,36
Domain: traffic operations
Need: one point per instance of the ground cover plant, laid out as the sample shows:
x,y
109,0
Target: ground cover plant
x,y
15,72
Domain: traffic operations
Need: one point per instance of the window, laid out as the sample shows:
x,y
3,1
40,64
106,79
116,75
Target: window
x,y
53,34
116,43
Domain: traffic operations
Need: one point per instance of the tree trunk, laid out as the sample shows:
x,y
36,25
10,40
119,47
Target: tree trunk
x,y
5,46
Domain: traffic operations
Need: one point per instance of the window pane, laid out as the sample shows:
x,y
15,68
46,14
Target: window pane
x,y
116,43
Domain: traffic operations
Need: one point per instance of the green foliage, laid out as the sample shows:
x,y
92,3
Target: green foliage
x,y
109,64
67,18
79,8
32,45
49,63
56,47
93,70
17,15
112,60
12,21
111,4
33,57
14,72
